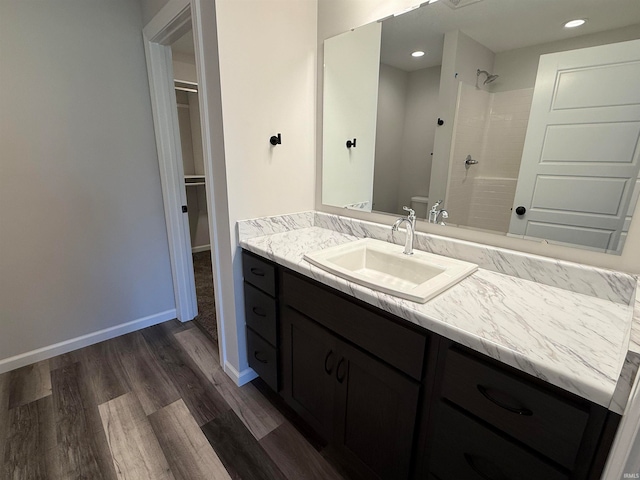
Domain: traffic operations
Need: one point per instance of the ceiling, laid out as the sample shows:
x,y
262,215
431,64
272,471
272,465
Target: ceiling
x,y
500,25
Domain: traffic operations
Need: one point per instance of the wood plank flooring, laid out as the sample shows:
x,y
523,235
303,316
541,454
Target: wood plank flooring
x,y
153,404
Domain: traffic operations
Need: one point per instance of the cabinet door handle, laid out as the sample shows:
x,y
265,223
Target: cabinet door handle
x,y
256,354
519,410
257,271
258,311
328,368
339,377
495,473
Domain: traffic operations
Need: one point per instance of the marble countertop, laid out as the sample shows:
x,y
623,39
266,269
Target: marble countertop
x,y
575,341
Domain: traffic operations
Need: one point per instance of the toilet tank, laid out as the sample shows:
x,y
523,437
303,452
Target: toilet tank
x,y
420,205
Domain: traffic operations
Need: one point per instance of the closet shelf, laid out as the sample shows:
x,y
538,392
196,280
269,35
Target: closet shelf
x,y
193,184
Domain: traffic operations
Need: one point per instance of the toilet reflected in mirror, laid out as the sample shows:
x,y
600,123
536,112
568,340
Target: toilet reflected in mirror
x,y
420,205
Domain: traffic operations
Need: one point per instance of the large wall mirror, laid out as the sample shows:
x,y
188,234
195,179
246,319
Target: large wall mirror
x,y
520,125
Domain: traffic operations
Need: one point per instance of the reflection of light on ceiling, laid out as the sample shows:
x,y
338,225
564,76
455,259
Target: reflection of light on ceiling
x,y
417,53
575,23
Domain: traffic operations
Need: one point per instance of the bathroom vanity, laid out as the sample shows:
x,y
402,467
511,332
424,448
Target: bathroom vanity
x,y
498,377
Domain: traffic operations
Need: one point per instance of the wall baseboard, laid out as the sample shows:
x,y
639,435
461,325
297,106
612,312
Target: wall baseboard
x,y
240,378
66,346
200,248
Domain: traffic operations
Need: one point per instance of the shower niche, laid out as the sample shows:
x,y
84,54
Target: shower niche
x,y
193,163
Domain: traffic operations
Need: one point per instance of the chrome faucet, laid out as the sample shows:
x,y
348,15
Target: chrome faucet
x,y
434,213
411,228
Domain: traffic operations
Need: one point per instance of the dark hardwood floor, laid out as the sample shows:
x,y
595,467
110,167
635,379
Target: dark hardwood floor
x,y
154,404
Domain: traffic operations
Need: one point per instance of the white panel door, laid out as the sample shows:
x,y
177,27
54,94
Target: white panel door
x,y
350,105
581,154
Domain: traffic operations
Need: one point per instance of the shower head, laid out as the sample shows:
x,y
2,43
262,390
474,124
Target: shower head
x,y
490,78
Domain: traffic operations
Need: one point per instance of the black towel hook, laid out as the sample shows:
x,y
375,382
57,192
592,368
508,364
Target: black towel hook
x,y
351,144
276,140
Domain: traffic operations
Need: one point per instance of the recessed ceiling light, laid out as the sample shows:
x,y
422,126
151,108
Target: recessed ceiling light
x,y
575,23
417,53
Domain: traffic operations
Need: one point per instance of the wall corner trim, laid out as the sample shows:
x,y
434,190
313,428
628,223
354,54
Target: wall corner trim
x,y
239,378
66,346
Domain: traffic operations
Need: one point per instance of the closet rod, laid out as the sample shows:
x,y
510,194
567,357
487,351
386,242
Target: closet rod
x,y
185,86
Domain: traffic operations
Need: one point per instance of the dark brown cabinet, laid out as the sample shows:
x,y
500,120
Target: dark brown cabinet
x,y
261,312
376,415
399,402
309,365
489,421
466,449
365,408
551,425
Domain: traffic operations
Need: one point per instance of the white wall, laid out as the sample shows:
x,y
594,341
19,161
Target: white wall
x,y
469,132
461,59
350,103
83,244
267,54
184,67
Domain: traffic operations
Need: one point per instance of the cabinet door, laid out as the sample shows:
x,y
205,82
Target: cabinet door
x,y
376,412
309,362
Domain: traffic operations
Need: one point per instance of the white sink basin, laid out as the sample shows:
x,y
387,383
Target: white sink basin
x,y
382,266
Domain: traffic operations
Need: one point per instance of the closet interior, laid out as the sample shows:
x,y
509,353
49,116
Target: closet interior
x,y
193,162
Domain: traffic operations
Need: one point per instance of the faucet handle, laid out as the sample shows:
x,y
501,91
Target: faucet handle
x,y
412,213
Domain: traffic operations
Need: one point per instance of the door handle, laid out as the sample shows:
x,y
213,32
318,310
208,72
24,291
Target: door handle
x,y
257,271
339,377
520,210
257,357
519,410
258,311
328,369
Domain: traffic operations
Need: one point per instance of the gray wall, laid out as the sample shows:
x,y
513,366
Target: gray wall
x,y
83,244
421,113
405,130
392,97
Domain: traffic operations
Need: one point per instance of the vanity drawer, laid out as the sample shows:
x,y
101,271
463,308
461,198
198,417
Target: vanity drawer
x,y
261,313
381,336
465,449
263,358
539,419
259,273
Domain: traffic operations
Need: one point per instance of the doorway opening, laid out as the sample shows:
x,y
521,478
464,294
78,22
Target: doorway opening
x,y
188,112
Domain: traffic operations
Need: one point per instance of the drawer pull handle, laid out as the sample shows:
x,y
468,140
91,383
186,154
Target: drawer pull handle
x,y
519,410
257,357
257,271
339,377
328,368
493,473
258,311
